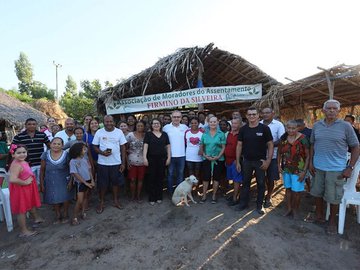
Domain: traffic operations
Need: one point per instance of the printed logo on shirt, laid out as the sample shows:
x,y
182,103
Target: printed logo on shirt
x,y
194,140
259,134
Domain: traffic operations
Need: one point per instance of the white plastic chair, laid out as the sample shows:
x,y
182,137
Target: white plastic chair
x,y
5,204
351,196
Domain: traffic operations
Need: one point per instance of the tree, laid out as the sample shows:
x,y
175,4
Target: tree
x,y
39,90
24,73
91,89
70,86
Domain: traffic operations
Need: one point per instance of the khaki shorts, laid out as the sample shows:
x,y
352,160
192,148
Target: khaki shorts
x,y
328,185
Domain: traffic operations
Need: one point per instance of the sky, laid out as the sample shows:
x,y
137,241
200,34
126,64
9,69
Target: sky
x,y
114,39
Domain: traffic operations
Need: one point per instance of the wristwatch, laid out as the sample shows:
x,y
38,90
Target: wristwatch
x,y
349,166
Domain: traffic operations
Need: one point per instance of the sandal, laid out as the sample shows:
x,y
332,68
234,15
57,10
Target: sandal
x,y
83,216
100,209
57,221
311,219
25,235
203,200
75,222
214,201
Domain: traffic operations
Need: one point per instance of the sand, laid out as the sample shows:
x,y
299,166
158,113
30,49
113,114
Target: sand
x,y
202,236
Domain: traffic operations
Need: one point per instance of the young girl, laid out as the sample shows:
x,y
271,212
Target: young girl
x,y
80,169
24,195
293,160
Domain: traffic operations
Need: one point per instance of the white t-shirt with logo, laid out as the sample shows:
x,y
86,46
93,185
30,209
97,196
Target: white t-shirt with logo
x,y
109,140
176,138
277,130
193,145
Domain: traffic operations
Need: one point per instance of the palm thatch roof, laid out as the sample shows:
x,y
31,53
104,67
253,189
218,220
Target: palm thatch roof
x,y
180,71
14,112
340,82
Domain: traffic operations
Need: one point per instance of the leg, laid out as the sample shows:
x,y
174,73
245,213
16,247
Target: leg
x,y
57,213
37,217
22,223
296,203
215,189
102,184
217,174
170,177
247,170
78,206
319,211
65,217
205,187
288,197
334,209
133,188
191,198
272,174
260,181
180,170
236,191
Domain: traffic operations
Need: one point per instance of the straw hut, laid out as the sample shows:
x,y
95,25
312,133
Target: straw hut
x,y
52,109
182,69
305,97
13,114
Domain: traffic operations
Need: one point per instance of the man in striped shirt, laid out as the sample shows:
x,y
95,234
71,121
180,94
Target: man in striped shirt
x,y
34,141
330,139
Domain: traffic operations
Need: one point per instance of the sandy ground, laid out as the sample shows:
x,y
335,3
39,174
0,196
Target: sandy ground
x,y
198,237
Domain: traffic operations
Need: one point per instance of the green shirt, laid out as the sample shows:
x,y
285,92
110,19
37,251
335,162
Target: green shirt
x,y
3,150
213,144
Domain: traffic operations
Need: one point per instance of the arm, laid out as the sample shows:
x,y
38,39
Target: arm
x,y
168,151
307,159
221,152
14,176
145,150
238,155
81,180
42,175
98,151
279,158
123,157
270,152
311,158
353,158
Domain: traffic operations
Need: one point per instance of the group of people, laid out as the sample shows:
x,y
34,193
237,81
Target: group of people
x,y
81,157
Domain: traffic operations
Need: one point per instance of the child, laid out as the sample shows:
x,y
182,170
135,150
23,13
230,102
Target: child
x,y
24,195
293,160
80,169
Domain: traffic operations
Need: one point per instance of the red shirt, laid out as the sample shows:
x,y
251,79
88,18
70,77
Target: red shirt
x,y
230,147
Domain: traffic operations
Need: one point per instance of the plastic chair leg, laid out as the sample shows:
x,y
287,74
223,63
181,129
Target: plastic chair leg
x,y
342,214
1,213
5,197
358,213
327,211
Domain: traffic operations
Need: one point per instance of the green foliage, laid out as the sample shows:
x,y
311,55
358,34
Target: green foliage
x,y
70,87
91,89
22,97
24,72
77,106
40,90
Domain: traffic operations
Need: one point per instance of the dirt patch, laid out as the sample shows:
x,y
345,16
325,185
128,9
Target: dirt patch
x,y
198,237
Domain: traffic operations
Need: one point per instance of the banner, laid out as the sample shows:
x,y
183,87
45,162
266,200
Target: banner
x,y
180,98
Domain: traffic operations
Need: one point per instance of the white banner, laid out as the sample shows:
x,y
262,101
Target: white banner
x,y
180,98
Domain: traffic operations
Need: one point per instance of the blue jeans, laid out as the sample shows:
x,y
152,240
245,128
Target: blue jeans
x,y
176,167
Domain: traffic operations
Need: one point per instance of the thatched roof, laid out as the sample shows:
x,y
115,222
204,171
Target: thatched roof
x,y
52,109
313,91
179,71
15,112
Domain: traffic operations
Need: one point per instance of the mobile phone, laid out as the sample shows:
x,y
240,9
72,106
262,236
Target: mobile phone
x,y
108,150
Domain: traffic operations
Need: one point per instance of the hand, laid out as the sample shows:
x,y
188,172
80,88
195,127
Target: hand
x,y
301,177
89,185
146,162
312,169
128,166
238,167
167,163
106,153
28,181
42,188
265,164
122,168
347,172
280,169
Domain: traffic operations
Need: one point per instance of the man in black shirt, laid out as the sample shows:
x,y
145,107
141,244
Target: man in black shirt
x,y
34,141
255,144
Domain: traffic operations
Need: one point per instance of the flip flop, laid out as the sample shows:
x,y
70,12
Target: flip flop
x,y
100,209
39,221
311,219
75,222
118,206
25,235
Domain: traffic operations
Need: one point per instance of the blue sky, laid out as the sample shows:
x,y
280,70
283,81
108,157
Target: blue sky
x,y
110,40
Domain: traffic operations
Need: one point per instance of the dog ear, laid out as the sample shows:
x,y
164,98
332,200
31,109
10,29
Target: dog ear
x,y
187,178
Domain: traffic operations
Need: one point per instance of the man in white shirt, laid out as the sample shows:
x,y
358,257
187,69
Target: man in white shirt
x,y
277,130
109,142
67,134
176,133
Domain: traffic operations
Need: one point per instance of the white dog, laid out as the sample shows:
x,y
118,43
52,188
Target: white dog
x,y
183,190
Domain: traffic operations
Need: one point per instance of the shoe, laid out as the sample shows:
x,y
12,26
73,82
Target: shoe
x,y
159,201
241,207
260,211
214,201
232,203
152,203
202,201
267,204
